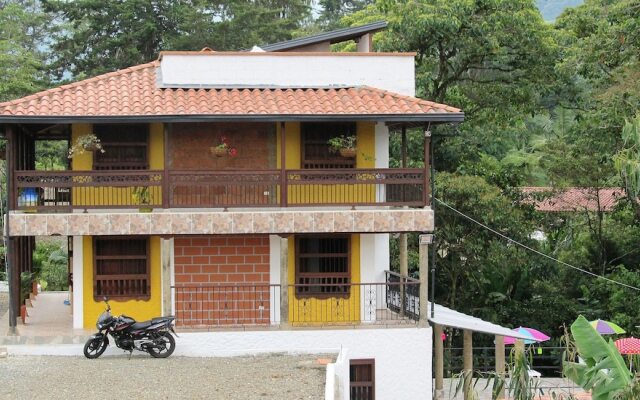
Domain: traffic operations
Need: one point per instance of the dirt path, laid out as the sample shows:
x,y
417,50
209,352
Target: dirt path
x,y
264,377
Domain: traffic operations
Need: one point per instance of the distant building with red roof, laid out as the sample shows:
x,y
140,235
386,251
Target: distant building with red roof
x,y
573,199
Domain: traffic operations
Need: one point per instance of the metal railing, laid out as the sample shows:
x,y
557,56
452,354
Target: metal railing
x,y
253,305
64,190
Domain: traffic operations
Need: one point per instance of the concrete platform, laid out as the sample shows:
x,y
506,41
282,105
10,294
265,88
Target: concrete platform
x,y
49,321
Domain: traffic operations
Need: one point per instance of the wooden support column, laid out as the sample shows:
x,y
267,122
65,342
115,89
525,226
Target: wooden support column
x,y
403,244
404,270
166,185
423,266
467,369
500,361
439,362
13,270
428,163
284,282
283,166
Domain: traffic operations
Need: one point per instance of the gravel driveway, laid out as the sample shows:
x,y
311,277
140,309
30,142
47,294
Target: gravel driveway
x,y
260,377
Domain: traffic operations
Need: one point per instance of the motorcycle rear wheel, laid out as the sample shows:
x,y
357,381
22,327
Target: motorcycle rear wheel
x,y
94,348
169,345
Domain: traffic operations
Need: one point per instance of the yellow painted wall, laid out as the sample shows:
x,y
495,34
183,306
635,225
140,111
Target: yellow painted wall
x,y
137,309
333,309
365,158
116,196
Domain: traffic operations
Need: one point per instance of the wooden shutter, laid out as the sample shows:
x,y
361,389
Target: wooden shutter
x,y
362,378
315,150
323,266
125,147
121,268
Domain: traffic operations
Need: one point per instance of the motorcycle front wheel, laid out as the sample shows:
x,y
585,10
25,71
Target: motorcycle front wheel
x,y
165,345
95,347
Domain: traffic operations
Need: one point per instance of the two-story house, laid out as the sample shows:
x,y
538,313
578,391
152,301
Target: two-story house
x,y
216,197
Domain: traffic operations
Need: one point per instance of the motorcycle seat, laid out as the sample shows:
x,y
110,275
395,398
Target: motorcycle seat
x,y
141,325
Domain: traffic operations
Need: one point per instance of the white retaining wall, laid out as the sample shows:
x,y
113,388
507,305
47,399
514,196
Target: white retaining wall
x,y
402,356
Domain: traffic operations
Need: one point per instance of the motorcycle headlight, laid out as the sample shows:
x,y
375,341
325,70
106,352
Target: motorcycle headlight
x,y
99,325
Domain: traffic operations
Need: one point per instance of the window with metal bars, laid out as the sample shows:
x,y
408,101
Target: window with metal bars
x,y
121,268
362,378
316,153
125,147
323,266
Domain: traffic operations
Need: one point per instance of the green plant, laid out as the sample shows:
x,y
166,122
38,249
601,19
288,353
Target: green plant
x,y
604,371
50,260
26,279
521,385
141,195
342,142
225,147
84,143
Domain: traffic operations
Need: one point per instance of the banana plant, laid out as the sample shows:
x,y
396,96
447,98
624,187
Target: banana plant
x,y
604,371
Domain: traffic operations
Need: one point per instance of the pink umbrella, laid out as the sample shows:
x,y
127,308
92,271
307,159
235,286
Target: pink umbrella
x,y
628,345
536,336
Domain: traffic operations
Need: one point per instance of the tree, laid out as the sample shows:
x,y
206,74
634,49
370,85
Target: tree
x,y
105,36
627,162
21,61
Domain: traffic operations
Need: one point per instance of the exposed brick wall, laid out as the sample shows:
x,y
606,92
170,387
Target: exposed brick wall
x,y
222,280
189,146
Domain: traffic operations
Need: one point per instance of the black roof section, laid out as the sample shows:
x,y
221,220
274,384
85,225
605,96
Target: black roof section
x,y
337,36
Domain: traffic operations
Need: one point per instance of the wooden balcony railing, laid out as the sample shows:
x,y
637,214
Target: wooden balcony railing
x,y
65,190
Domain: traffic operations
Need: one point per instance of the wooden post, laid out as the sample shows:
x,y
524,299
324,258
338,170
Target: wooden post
x,y
166,185
427,168
284,282
439,361
500,362
423,267
13,271
404,271
283,166
467,370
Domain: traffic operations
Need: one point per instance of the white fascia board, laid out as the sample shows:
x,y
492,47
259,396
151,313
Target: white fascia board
x,y
394,73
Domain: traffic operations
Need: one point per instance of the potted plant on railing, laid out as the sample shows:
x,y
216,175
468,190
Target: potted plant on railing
x,y
142,197
224,148
85,143
345,145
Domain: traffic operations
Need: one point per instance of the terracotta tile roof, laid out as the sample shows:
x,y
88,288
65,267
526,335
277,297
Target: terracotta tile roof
x,y
134,92
573,199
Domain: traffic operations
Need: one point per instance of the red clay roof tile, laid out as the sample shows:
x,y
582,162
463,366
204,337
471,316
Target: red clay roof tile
x,y
134,92
574,199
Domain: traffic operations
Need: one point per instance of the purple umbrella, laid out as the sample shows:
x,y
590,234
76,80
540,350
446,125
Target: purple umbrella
x,y
536,336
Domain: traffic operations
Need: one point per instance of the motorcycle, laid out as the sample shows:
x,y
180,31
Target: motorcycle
x,y
153,337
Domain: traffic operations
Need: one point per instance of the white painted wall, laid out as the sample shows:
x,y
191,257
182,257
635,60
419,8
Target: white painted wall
x,y
403,355
389,72
274,276
78,308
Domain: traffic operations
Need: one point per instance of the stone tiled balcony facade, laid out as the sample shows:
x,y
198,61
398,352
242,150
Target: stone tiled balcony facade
x,y
277,221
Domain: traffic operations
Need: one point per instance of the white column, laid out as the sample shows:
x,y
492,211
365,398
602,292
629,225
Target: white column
x,y
78,283
167,277
274,278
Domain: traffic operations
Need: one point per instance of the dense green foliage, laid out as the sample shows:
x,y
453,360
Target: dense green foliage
x,y
50,265
546,104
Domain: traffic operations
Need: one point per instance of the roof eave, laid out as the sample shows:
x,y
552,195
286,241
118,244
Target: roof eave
x,y
448,117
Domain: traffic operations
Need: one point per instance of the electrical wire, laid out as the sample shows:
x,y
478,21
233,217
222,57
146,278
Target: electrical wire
x,y
524,246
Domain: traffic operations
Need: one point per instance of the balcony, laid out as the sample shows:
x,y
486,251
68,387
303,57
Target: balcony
x,y
64,191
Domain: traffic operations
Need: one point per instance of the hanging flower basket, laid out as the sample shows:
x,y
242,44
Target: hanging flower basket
x,y
218,151
348,153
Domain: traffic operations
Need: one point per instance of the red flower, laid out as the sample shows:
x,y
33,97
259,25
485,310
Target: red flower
x,y
233,152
